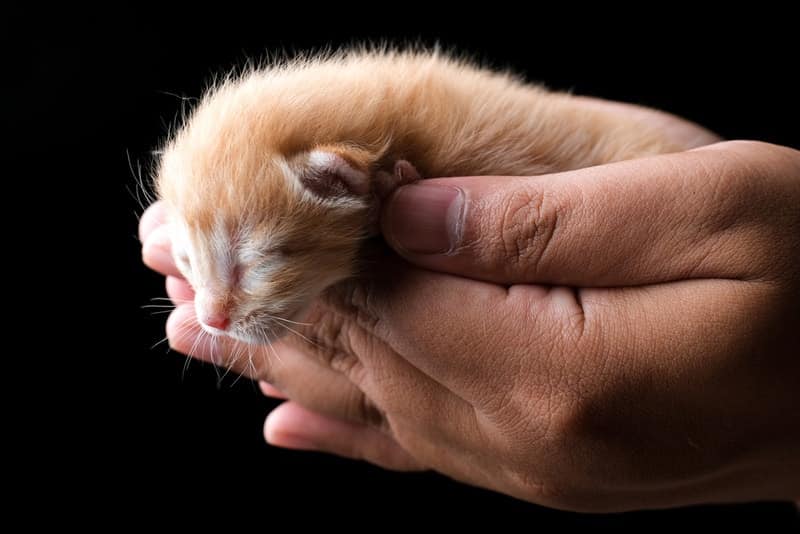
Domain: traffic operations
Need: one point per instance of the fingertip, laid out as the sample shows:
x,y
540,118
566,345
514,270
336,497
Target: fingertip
x,y
289,426
293,427
182,328
185,335
270,391
153,217
179,290
269,426
157,252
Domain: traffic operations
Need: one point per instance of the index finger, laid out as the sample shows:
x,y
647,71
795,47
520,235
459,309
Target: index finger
x,y
153,217
156,242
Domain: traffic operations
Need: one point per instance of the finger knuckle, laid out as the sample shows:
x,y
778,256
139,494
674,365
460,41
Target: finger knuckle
x,y
528,220
329,336
750,196
365,411
757,149
342,330
747,168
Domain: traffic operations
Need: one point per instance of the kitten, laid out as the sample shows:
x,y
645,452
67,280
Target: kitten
x,y
274,181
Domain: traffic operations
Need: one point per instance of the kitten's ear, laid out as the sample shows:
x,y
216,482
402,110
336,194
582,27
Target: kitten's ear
x,y
334,171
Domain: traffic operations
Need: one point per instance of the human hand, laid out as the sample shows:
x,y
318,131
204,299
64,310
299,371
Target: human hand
x,y
657,367
678,340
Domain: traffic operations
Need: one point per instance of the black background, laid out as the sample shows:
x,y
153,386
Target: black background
x,y
99,91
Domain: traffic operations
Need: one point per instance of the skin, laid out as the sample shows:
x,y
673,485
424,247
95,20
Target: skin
x,y
613,338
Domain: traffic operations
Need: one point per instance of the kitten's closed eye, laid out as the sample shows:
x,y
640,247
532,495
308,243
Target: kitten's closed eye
x,y
286,250
262,268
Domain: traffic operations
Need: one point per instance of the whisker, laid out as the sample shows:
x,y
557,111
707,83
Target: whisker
x,y
185,367
284,320
197,340
237,354
234,357
250,358
159,342
306,339
181,330
224,374
174,302
141,193
269,345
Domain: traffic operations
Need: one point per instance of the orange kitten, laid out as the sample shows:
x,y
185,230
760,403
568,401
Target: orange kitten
x,y
273,182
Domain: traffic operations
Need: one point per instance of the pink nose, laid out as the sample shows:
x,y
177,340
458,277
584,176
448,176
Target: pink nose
x,y
219,321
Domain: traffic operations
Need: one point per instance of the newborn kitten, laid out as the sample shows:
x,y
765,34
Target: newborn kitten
x,y
274,181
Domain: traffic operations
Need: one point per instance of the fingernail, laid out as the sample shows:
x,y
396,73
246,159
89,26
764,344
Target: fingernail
x,y
425,218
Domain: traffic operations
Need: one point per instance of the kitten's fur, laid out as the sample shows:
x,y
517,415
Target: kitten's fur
x,y
271,181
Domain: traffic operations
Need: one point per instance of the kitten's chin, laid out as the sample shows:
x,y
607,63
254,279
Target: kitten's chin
x,y
215,332
265,336
272,330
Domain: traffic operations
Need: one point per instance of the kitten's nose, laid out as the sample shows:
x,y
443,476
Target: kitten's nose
x,y
212,309
218,320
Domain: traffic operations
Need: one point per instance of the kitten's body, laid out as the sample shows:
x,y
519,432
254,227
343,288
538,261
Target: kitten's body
x,y
271,182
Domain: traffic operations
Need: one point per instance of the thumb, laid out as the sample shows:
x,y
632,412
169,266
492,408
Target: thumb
x,y
641,221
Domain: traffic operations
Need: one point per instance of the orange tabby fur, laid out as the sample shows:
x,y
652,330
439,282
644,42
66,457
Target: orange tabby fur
x,y
257,244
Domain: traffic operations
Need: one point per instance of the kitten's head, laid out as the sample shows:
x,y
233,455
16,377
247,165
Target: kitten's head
x,y
257,231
